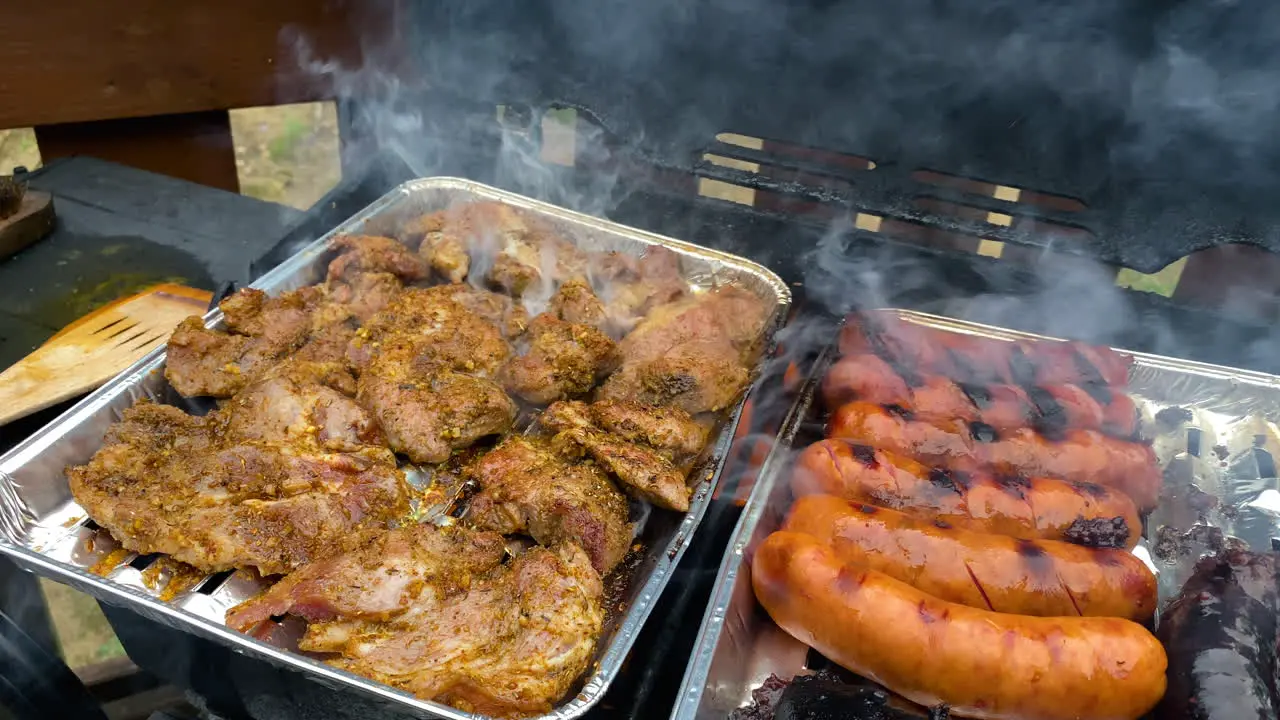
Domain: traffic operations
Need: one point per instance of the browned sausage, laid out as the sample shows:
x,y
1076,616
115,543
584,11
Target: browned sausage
x,y
973,358
982,570
1078,455
1033,508
931,398
980,663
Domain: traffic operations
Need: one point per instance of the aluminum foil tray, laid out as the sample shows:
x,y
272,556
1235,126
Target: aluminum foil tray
x,y
44,530
1214,430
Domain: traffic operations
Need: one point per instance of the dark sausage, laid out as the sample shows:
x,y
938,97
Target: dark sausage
x,y
982,570
1034,508
981,664
1220,633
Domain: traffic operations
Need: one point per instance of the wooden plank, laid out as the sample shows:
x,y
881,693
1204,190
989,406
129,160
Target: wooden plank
x,y
193,146
83,60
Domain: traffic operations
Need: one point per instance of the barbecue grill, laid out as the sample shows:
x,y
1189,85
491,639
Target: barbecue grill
x,y
940,154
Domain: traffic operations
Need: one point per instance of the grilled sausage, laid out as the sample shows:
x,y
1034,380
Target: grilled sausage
x,y
1078,455
1220,633
981,570
1034,508
971,358
1052,408
980,663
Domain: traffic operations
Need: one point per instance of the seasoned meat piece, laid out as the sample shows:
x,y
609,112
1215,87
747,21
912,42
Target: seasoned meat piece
x,y
727,314
377,582
447,255
200,361
428,413
429,327
510,646
370,253
363,295
328,344
165,482
695,377
667,429
564,359
511,317
643,469
527,488
261,331
576,302
303,403
631,287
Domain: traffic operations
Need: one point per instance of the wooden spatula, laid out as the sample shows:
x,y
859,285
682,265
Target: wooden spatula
x,y
95,348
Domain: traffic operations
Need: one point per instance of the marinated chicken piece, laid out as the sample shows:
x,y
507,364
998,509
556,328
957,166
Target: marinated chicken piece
x,y
527,488
691,353
726,314
510,646
374,254
669,430
200,361
564,359
510,316
646,471
447,255
431,327
695,377
304,403
261,330
377,582
328,344
165,482
577,303
631,287
362,295
427,412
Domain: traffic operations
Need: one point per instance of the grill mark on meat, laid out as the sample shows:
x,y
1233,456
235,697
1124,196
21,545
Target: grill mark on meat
x,y
1089,372
864,454
948,480
979,396
1015,485
1049,415
874,333
981,590
1099,391
901,412
1070,596
983,432
1021,368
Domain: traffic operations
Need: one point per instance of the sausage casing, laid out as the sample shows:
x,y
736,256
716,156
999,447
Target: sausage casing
x,y
932,397
981,570
1078,455
980,663
1031,508
978,359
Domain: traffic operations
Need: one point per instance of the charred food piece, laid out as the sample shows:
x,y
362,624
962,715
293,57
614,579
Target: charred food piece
x,y
529,489
167,482
563,360
1220,634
